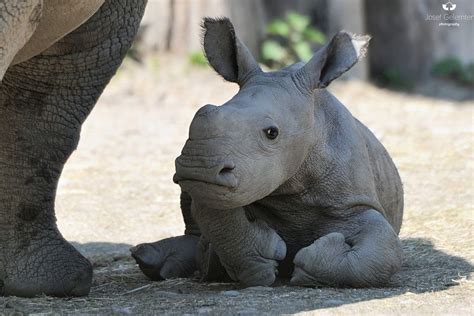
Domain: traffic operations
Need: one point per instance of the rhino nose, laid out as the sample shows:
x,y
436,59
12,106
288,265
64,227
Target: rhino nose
x,y
205,123
219,174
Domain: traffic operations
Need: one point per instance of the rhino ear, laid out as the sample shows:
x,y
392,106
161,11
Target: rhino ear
x,y
334,59
225,52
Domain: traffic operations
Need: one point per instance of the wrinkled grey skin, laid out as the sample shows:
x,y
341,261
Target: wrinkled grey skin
x,y
43,102
322,201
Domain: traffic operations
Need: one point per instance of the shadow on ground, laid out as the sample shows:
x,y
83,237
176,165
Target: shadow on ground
x,y
426,268
102,254
120,288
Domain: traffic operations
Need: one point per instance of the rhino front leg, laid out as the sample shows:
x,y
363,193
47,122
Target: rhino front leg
x,y
173,257
168,258
366,258
248,250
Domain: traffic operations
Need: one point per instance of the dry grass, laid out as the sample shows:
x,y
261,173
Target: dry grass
x,y
116,191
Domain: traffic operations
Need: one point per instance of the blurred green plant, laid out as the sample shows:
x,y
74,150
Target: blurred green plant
x,y
198,59
452,68
392,78
154,64
290,40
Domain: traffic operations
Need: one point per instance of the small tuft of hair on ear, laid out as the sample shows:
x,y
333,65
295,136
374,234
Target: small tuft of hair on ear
x,y
219,45
208,22
360,43
334,59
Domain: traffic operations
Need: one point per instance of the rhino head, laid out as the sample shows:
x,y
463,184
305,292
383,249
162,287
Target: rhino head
x,y
243,150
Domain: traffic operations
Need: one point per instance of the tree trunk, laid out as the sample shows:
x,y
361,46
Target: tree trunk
x,y
405,41
174,25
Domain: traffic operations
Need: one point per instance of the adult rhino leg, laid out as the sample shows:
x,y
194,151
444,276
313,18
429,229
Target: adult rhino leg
x,y
364,256
43,103
248,249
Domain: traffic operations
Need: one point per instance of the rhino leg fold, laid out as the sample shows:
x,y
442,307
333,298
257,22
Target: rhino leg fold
x,y
367,258
210,266
248,250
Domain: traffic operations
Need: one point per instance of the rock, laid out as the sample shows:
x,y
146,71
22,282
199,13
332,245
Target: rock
x,y
230,293
260,288
122,310
334,302
248,311
204,310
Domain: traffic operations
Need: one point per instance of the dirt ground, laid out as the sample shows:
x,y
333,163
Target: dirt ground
x,y
117,191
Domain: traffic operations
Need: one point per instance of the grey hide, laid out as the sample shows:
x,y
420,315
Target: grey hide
x,y
56,57
282,178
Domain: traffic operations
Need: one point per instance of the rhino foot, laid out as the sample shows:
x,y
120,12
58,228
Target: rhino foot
x,y
367,258
169,258
44,266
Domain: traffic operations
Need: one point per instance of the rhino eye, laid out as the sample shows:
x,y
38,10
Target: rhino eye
x,y
271,132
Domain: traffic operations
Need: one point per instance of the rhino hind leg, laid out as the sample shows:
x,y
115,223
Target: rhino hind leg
x,y
367,258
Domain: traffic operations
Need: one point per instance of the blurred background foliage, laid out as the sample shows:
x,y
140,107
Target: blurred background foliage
x,y
452,68
290,40
198,58
407,52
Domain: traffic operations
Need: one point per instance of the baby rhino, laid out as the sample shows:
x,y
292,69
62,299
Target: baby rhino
x,y
282,179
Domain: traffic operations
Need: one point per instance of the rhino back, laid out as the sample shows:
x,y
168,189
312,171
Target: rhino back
x,y
359,159
387,180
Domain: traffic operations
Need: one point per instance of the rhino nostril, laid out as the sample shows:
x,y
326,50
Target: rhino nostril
x,y
228,167
226,175
225,170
